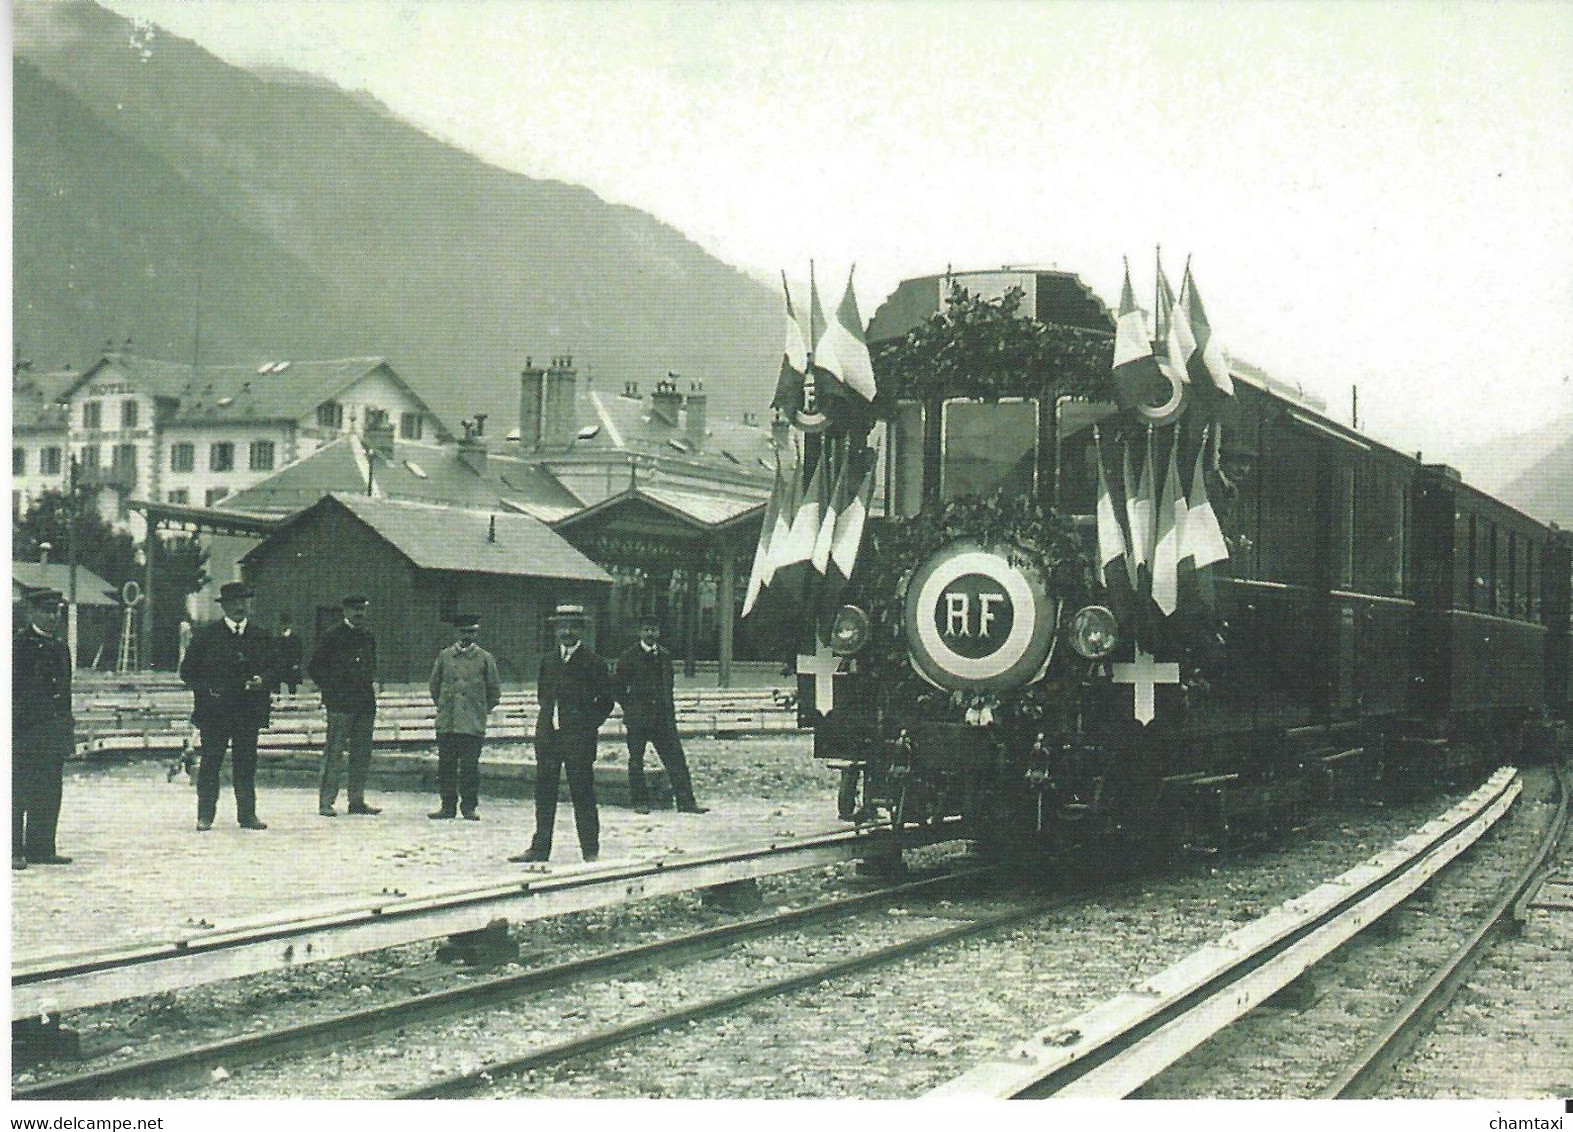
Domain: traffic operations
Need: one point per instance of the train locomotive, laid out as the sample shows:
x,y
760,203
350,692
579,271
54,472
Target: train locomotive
x,y
1341,616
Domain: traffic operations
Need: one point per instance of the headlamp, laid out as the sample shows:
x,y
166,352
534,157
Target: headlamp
x,y
849,632
1093,632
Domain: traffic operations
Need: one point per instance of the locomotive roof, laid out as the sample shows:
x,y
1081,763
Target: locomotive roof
x,y
1058,297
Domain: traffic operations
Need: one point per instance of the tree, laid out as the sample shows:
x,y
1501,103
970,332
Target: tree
x,y
109,553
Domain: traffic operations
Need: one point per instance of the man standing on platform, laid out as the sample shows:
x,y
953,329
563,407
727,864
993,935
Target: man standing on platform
x,y
229,668
465,688
576,695
644,687
344,665
43,732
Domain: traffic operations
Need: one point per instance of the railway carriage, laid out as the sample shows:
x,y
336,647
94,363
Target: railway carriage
x,y
1375,620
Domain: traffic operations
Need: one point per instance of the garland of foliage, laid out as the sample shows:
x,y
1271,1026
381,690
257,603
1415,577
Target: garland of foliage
x,y
985,349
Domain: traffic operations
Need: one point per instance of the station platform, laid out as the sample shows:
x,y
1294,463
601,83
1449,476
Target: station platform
x,y
141,871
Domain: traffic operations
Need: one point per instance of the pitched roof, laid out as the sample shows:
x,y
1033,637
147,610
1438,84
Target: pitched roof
x,y
35,401
90,588
629,424
423,473
223,393
460,539
704,511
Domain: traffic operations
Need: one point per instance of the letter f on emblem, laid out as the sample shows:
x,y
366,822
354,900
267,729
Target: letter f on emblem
x,y
986,615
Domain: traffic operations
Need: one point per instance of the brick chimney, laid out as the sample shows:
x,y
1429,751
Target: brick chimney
x,y
666,401
472,448
559,413
696,415
532,382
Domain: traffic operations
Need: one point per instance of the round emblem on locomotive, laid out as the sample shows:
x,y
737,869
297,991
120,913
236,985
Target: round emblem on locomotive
x,y
975,621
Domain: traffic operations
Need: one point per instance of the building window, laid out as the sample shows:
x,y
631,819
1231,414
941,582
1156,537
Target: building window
x,y
89,457
182,457
262,455
92,414
221,457
128,414
410,426
49,461
124,463
18,461
376,418
214,495
179,495
330,414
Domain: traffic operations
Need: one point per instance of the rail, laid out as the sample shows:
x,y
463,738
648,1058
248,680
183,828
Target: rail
x,y
1116,1047
51,984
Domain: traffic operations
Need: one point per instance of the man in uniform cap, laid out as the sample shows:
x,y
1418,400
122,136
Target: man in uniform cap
x,y
43,733
229,667
576,695
465,687
644,687
344,665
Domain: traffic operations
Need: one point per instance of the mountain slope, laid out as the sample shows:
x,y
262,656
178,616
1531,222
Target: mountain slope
x,y
454,269
1545,490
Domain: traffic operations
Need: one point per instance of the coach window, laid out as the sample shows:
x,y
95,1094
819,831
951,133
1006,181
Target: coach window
x,y
905,467
1532,582
1343,516
987,446
1502,574
1463,558
1379,532
1288,507
1485,573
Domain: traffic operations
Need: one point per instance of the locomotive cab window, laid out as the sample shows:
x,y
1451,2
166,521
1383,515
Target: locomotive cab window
x,y
1076,463
904,465
988,445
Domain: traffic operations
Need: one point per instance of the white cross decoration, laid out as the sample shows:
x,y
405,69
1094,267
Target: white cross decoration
x,y
1144,675
822,666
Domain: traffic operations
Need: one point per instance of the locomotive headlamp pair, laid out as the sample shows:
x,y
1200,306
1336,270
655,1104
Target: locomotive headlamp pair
x,y
849,632
1093,632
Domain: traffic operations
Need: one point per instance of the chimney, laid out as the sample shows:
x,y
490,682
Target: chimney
x,y
559,419
666,401
696,415
779,428
531,386
472,449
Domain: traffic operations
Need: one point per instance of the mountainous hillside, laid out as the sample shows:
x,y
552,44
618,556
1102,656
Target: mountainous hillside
x,y
324,226
1532,470
1546,489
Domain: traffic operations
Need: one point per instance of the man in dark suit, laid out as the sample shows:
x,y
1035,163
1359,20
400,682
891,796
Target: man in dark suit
x,y
644,687
576,695
43,733
344,665
230,668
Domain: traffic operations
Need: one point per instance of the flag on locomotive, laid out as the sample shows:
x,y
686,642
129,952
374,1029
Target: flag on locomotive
x,y
1163,529
813,524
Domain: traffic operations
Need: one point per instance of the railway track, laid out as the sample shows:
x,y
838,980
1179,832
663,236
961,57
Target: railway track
x,y
197,1063
1113,1049
53,984
1365,1074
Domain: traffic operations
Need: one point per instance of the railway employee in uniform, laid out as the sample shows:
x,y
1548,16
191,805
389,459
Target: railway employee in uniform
x,y
344,665
644,688
576,695
43,733
230,667
465,687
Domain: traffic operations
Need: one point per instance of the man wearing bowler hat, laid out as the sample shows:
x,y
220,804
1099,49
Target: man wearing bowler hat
x,y
465,687
576,695
43,731
644,687
229,668
344,665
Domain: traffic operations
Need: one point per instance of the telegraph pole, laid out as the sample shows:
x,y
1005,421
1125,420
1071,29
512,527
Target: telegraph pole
x,y
71,555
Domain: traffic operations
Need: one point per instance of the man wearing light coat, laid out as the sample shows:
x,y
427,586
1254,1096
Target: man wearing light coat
x,y
465,688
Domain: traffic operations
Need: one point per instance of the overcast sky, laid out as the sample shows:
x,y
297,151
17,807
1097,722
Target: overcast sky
x,y
1369,193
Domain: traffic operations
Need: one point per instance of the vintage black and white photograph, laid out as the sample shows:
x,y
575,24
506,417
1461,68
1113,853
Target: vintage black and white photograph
x,y
741,550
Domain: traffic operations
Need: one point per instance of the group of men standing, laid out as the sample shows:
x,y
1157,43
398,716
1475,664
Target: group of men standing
x,y
232,665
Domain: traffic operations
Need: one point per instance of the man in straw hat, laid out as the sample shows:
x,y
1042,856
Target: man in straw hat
x,y
576,695
230,668
43,732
